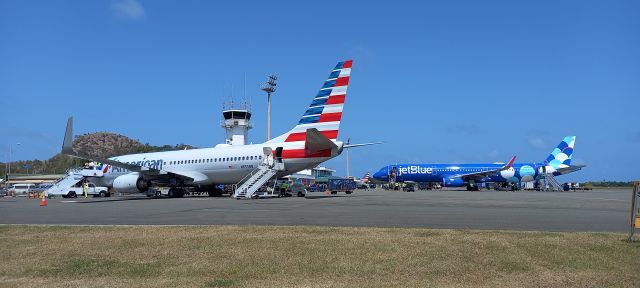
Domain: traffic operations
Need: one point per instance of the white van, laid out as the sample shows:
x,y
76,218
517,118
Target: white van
x,y
22,189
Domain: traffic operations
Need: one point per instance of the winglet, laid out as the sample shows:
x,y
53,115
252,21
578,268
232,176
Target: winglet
x,y
67,145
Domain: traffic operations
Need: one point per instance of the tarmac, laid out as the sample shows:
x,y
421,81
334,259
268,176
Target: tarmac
x,y
589,211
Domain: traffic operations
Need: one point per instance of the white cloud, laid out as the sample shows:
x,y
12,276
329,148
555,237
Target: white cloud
x,y
537,142
128,9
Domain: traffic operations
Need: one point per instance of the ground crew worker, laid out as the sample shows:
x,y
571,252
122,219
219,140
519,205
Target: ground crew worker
x,y
85,189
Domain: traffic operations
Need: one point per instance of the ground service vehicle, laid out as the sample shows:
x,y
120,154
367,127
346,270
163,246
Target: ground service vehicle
x,y
345,185
77,190
22,189
298,189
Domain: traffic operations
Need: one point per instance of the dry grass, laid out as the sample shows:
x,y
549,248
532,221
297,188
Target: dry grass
x,y
232,256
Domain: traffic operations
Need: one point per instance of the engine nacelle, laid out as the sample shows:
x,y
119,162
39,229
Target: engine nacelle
x,y
453,182
131,183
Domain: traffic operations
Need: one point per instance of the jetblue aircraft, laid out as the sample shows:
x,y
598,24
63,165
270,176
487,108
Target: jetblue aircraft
x,y
459,175
312,141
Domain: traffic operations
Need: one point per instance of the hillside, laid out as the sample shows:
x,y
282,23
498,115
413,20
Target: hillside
x,y
99,145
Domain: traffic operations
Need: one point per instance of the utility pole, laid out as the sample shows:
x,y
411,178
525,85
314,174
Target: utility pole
x,y
347,155
269,87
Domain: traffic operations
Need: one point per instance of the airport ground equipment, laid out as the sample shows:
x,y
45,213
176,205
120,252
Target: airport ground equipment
x,y
346,185
549,182
61,187
635,211
249,185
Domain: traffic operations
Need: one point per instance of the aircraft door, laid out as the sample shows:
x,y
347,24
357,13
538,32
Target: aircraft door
x,y
393,173
278,154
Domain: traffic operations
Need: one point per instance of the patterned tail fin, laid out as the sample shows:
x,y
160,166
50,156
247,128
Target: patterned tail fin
x,y
561,155
325,110
365,179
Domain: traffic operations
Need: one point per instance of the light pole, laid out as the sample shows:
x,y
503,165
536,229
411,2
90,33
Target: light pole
x,y
269,87
347,155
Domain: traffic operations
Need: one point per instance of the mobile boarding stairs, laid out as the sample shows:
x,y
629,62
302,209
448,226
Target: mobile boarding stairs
x,y
73,177
270,166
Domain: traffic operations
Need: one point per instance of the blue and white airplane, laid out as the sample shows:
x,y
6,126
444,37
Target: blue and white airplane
x,y
470,175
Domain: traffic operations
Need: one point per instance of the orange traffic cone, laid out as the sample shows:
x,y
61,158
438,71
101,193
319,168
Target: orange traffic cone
x,y
43,202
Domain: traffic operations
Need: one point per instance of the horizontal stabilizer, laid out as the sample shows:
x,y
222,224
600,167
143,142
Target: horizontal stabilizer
x,y
361,144
572,168
316,142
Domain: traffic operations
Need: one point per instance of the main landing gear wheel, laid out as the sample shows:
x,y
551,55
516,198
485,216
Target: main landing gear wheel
x,y
473,188
217,192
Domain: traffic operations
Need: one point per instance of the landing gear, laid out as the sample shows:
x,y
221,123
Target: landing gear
x,y
216,192
473,187
175,193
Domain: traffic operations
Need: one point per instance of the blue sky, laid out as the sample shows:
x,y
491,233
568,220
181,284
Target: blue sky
x,y
446,81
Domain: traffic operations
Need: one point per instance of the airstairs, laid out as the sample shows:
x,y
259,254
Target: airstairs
x,y
73,177
62,185
247,187
550,182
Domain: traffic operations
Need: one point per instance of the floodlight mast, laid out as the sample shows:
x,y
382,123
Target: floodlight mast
x,y
269,87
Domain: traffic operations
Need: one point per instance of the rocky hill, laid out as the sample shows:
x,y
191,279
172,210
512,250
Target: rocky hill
x,y
99,145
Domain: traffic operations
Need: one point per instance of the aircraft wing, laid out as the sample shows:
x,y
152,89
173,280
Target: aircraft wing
x,y
67,149
483,174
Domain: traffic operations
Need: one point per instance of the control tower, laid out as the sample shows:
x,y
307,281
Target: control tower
x,y
236,123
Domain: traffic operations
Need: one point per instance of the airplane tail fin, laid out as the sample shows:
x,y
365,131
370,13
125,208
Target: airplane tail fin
x,y
365,179
561,155
325,111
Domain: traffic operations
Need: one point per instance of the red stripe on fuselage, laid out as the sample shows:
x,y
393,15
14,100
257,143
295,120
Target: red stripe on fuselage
x,y
301,136
335,99
301,153
329,117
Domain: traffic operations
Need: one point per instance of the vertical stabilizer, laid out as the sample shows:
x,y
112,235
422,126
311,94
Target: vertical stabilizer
x,y
325,111
561,155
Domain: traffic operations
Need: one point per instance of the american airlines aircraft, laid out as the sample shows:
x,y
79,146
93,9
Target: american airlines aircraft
x,y
312,141
364,180
459,175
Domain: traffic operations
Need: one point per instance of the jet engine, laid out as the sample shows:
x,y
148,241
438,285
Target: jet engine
x,y
453,182
131,183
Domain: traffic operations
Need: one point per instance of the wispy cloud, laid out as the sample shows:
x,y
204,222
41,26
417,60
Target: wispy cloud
x,y
535,139
128,9
537,142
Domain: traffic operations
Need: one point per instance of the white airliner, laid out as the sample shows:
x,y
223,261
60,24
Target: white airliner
x,y
312,141
364,180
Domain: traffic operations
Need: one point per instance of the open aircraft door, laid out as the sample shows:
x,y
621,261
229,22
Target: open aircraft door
x,y
393,174
278,155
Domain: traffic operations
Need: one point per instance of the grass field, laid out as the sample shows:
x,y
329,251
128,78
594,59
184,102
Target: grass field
x,y
249,256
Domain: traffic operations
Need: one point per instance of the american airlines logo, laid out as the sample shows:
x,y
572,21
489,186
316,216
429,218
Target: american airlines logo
x,y
153,164
414,169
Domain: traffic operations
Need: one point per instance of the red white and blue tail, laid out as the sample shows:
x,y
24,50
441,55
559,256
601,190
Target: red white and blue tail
x,y
325,110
